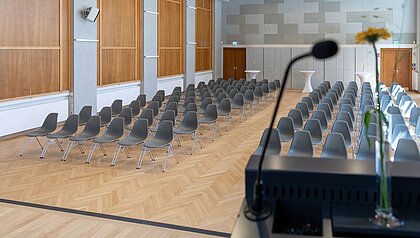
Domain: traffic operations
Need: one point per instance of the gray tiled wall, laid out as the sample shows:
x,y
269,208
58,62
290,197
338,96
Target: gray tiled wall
x,y
306,21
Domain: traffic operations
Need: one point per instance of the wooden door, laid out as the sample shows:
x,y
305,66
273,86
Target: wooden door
x,y
396,66
234,63
240,59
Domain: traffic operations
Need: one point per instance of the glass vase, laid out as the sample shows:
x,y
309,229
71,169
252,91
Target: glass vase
x,y
384,216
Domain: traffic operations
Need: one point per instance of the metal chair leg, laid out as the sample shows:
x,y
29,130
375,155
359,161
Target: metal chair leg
x,y
91,153
29,139
59,144
126,152
103,149
141,157
67,151
79,145
44,151
114,158
166,159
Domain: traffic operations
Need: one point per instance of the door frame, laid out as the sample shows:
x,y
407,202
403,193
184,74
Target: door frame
x,y
410,79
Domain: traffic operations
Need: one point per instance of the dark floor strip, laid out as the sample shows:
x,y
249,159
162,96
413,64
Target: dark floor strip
x,y
118,218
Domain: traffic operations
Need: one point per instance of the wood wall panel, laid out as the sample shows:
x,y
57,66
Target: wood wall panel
x,y
120,30
34,38
204,35
28,72
170,37
120,66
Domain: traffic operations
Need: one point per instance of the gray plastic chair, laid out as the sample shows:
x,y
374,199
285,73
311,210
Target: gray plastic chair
x,y
137,136
407,108
148,115
314,128
142,99
400,96
274,144
243,89
84,115
163,138
277,82
395,120
301,145
400,131
48,126
106,116
346,101
343,128
327,109
393,110
91,130
239,104
252,86
296,115
348,108
258,94
172,106
249,100
192,107
303,107
210,118
69,128
366,151
315,98
154,105
112,134
220,98
127,115
204,104
189,126
286,129
232,94
167,115
135,108
224,110
187,101
371,131
116,107
404,98
334,147
158,98
407,150
322,117
351,97
328,101
333,98
309,102
345,116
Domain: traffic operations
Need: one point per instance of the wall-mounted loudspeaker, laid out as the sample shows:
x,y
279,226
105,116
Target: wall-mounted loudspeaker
x,y
90,14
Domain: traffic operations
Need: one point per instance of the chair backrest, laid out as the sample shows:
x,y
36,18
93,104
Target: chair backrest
x,y
348,108
303,107
333,98
135,107
229,88
407,107
309,102
142,99
173,98
346,101
314,96
158,98
205,103
50,122
92,127
249,95
243,89
205,95
272,86
371,131
192,107
221,97
259,83
351,97
264,81
252,86
84,114
172,106
71,124
326,108
277,82
115,128
414,115
258,92
238,86
225,106
407,150
190,121
106,115
343,128
238,100
400,131
154,105
246,83
296,115
127,115
366,149
266,89
328,101
165,132
189,100
399,96
147,114
301,145
116,107
322,117
286,128
168,115
395,119
211,112
323,90
140,130
345,116
314,128
393,110
232,93
334,147
254,81
273,143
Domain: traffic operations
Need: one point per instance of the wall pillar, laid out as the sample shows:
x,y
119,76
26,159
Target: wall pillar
x,y
189,75
83,69
217,40
150,45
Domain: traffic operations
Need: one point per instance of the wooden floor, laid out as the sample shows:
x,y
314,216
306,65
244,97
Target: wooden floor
x,y
203,191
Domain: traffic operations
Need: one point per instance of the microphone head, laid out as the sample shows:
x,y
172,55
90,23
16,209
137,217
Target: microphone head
x,y
324,49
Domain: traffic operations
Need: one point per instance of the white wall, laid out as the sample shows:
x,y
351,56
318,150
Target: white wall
x,y
205,76
127,92
24,114
169,83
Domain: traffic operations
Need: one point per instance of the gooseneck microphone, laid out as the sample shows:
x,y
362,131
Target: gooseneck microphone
x,y
258,209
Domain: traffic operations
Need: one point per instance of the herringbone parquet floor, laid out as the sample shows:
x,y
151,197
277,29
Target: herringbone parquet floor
x,y
203,191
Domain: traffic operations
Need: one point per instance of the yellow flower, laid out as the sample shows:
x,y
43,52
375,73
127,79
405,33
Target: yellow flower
x,y
372,35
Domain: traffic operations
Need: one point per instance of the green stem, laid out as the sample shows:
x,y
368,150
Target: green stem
x,y
383,193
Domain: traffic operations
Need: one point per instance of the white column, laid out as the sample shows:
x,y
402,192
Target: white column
x,y
217,40
189,75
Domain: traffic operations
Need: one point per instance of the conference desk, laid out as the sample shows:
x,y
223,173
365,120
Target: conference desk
x,y
336,197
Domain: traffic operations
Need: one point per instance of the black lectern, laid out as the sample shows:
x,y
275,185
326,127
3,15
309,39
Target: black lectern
x,y
329,198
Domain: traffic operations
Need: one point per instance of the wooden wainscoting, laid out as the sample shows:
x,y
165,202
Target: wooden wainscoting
x,y
34,47
204,35
170,37
120,33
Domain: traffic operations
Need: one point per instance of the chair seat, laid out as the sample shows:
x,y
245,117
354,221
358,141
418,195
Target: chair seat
x,y
38,132
130,141
81,137
156,143
59,135
206,121
183,131
105,139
